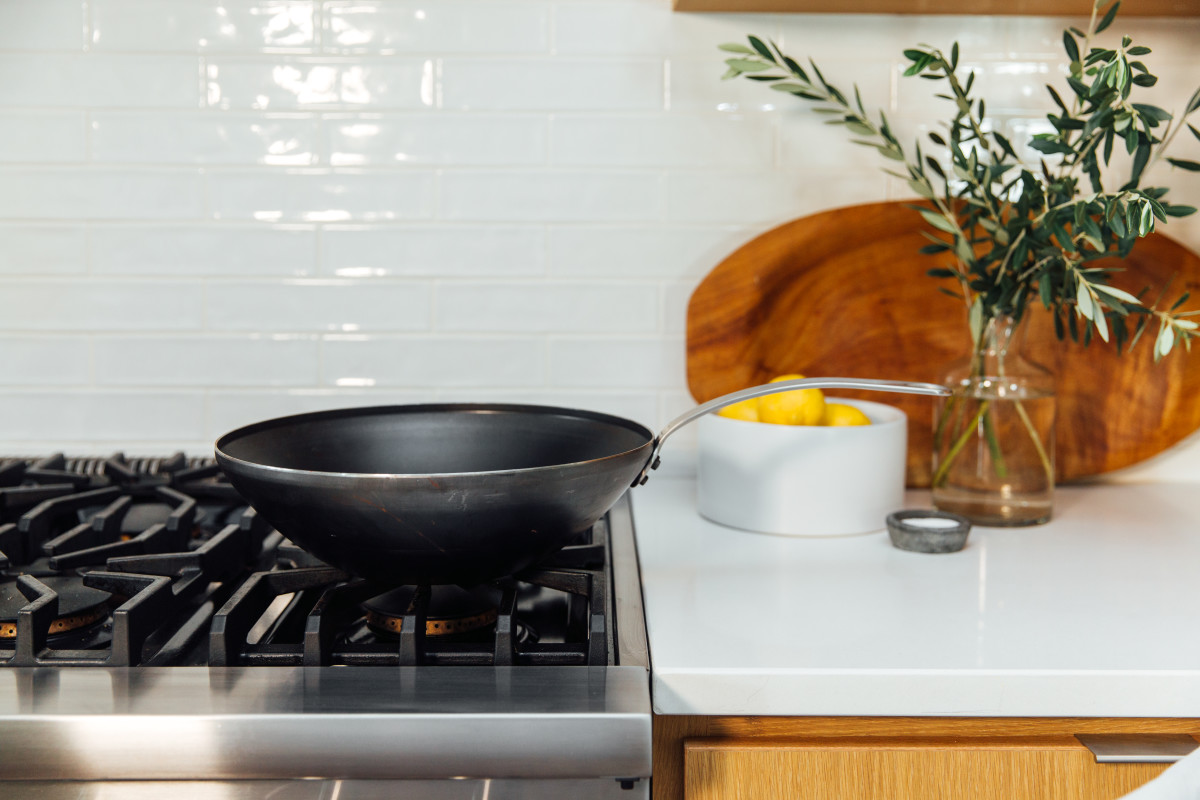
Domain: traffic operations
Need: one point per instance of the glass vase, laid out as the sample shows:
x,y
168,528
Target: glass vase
x,y
993,437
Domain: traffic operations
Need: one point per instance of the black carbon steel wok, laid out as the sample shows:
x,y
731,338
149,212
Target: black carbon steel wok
x,y
453,493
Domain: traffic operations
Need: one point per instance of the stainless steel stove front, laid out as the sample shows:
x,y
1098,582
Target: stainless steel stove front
x,y
339,732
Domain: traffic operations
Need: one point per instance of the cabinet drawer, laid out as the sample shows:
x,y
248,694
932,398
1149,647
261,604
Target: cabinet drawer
x,y
1057,768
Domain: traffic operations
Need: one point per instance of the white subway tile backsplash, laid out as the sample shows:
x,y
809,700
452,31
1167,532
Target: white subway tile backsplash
x,y
268,25
694,85
42,25
623,28
595,251
676,297
42,249
74,193
99,305
321,196
228,410
217,212
806,141
826,37
546,307
552,85
48,137
212,249
449,139
123,417
46,360
642,361
432,361
318,306
662,140
609,196
447,251
203,138
640,407
99,80
769,197
258,360
447,26
315,83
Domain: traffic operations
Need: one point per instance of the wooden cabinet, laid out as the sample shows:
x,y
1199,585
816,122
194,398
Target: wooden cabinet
x,y
1080,8
904,769
827,758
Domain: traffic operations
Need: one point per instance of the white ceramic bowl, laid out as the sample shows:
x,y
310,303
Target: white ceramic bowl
x,y
803,480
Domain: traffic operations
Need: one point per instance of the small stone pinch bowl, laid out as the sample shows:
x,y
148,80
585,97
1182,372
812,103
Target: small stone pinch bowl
x,y
924,531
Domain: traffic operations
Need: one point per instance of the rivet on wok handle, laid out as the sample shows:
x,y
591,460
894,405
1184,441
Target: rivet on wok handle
x,y
865,384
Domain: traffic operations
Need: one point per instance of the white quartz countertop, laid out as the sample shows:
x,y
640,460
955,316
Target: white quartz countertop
x,y
1093,614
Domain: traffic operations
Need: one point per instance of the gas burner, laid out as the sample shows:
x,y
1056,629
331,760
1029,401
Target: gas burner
x,y
452,610
78,606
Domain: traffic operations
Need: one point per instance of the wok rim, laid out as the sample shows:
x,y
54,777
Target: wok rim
x,y
275,422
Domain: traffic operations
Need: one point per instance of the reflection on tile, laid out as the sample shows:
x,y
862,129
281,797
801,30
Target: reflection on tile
x,y
203,138
42,249
233,83
321,196
604,28
65,193
607,251
557,85
640,361
93,80
694,84
826,37
676,297
126,417
552,196
318,306
206,361
466,139
232,409
202,25
662,140
42,136
432,361
760,198
641,407
806,141
258,250
432,251
99,305
446,26
538,307
42,25
57,360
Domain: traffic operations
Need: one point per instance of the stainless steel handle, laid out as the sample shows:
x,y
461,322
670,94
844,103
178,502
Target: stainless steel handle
x,y
901,387
1138,748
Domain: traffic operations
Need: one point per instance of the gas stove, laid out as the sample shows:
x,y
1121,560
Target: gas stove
x,y
144,596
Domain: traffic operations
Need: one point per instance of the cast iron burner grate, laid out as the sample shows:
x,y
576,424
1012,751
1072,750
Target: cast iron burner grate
x,y
112,562
556,614
159,562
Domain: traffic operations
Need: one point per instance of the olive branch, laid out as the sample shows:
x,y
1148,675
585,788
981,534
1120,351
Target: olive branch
x,y
1019,233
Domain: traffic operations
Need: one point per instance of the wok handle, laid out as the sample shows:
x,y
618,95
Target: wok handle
x,y
866,384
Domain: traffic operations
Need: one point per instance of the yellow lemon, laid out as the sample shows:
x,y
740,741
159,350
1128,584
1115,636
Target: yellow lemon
x,y
842,414
797,407
746,410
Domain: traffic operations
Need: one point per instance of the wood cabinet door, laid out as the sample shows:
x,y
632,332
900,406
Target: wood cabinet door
x,y
1058,768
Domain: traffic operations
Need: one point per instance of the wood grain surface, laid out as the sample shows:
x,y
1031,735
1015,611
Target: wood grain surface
x,y
844,293
671,733
905,769
1078,8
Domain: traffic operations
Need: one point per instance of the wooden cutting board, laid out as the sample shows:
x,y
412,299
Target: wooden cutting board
x,y
844,293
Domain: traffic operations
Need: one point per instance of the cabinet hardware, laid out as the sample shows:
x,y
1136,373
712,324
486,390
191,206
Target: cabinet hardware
x,y
1138,748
